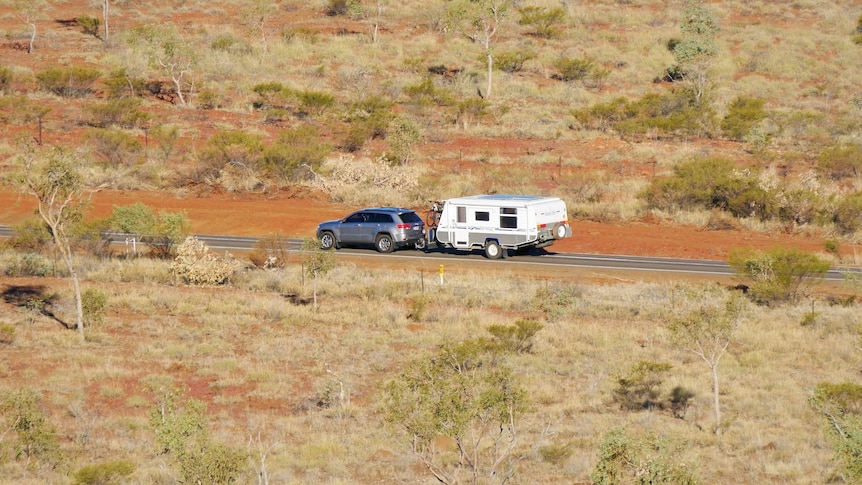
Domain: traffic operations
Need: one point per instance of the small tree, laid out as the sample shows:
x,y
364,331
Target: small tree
x,y
166,50
704,325
255,17
468,395
316,262
694,53
27,12
53,178
479,21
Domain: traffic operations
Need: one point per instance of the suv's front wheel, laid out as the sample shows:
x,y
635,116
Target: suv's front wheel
x,y
327,241
384,243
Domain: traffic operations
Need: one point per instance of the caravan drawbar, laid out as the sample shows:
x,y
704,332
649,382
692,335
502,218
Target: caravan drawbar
x,y
499,223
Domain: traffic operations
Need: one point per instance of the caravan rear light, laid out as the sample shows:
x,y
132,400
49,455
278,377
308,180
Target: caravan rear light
x,y
542,226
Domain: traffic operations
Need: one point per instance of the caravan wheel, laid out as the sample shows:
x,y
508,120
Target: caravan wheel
x,y
560,231
493,250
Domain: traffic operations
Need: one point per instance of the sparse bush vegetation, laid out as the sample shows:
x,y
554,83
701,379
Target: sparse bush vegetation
x,y
6,76
841,161
513,61
743,115
233,147
107,473
120,83
639,388
114,147
778,275
574,69
545,21
841,407
72,82
516,338
712,183
94,303
7,337
121,112
295,148
32,235
28,264
848,213
642,458
32,437
90,25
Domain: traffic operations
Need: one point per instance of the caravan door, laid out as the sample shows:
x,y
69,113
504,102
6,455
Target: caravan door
x,y
460,230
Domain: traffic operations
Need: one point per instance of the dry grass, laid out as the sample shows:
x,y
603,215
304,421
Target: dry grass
x,y
262,363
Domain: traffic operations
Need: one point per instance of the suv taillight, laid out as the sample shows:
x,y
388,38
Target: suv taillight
x,y
403,226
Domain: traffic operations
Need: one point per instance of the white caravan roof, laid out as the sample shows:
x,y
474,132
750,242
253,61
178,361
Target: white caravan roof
x,y
494,200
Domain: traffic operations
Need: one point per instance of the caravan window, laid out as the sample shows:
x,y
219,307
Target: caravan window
x,y
462,214
483,216
508,218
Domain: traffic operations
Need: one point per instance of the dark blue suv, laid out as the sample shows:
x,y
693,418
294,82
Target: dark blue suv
x,y
386,228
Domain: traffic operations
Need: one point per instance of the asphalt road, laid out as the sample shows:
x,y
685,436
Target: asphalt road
x,y
541,257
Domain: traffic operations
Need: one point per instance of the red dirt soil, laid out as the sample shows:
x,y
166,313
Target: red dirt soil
x,y
298,216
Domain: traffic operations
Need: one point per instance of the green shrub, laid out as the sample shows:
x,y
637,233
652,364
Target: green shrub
x,y
639,388
426,93
779,274
848,213
675,113
6,77
544,21
34,437
114,147
32,235
29,264
7,333
517,338
181,432
20,110
122,112
232,147
711,183
69,82
270,94
743,115
119,83
107,473
94,303
314,102
209,99
160,232
513,61
294,148
640,458
90,25
841,161
573,69
166,137
841,407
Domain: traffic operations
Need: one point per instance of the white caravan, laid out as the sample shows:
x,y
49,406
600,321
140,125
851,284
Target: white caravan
x,y
498,223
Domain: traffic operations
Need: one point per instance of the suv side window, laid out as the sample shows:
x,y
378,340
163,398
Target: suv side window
x,y
380,218
354,218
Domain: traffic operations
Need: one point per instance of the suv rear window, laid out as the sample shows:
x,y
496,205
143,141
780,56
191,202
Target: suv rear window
x,y
410,217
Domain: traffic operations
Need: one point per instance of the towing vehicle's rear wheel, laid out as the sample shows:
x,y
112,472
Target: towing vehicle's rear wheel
x,y
384,243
